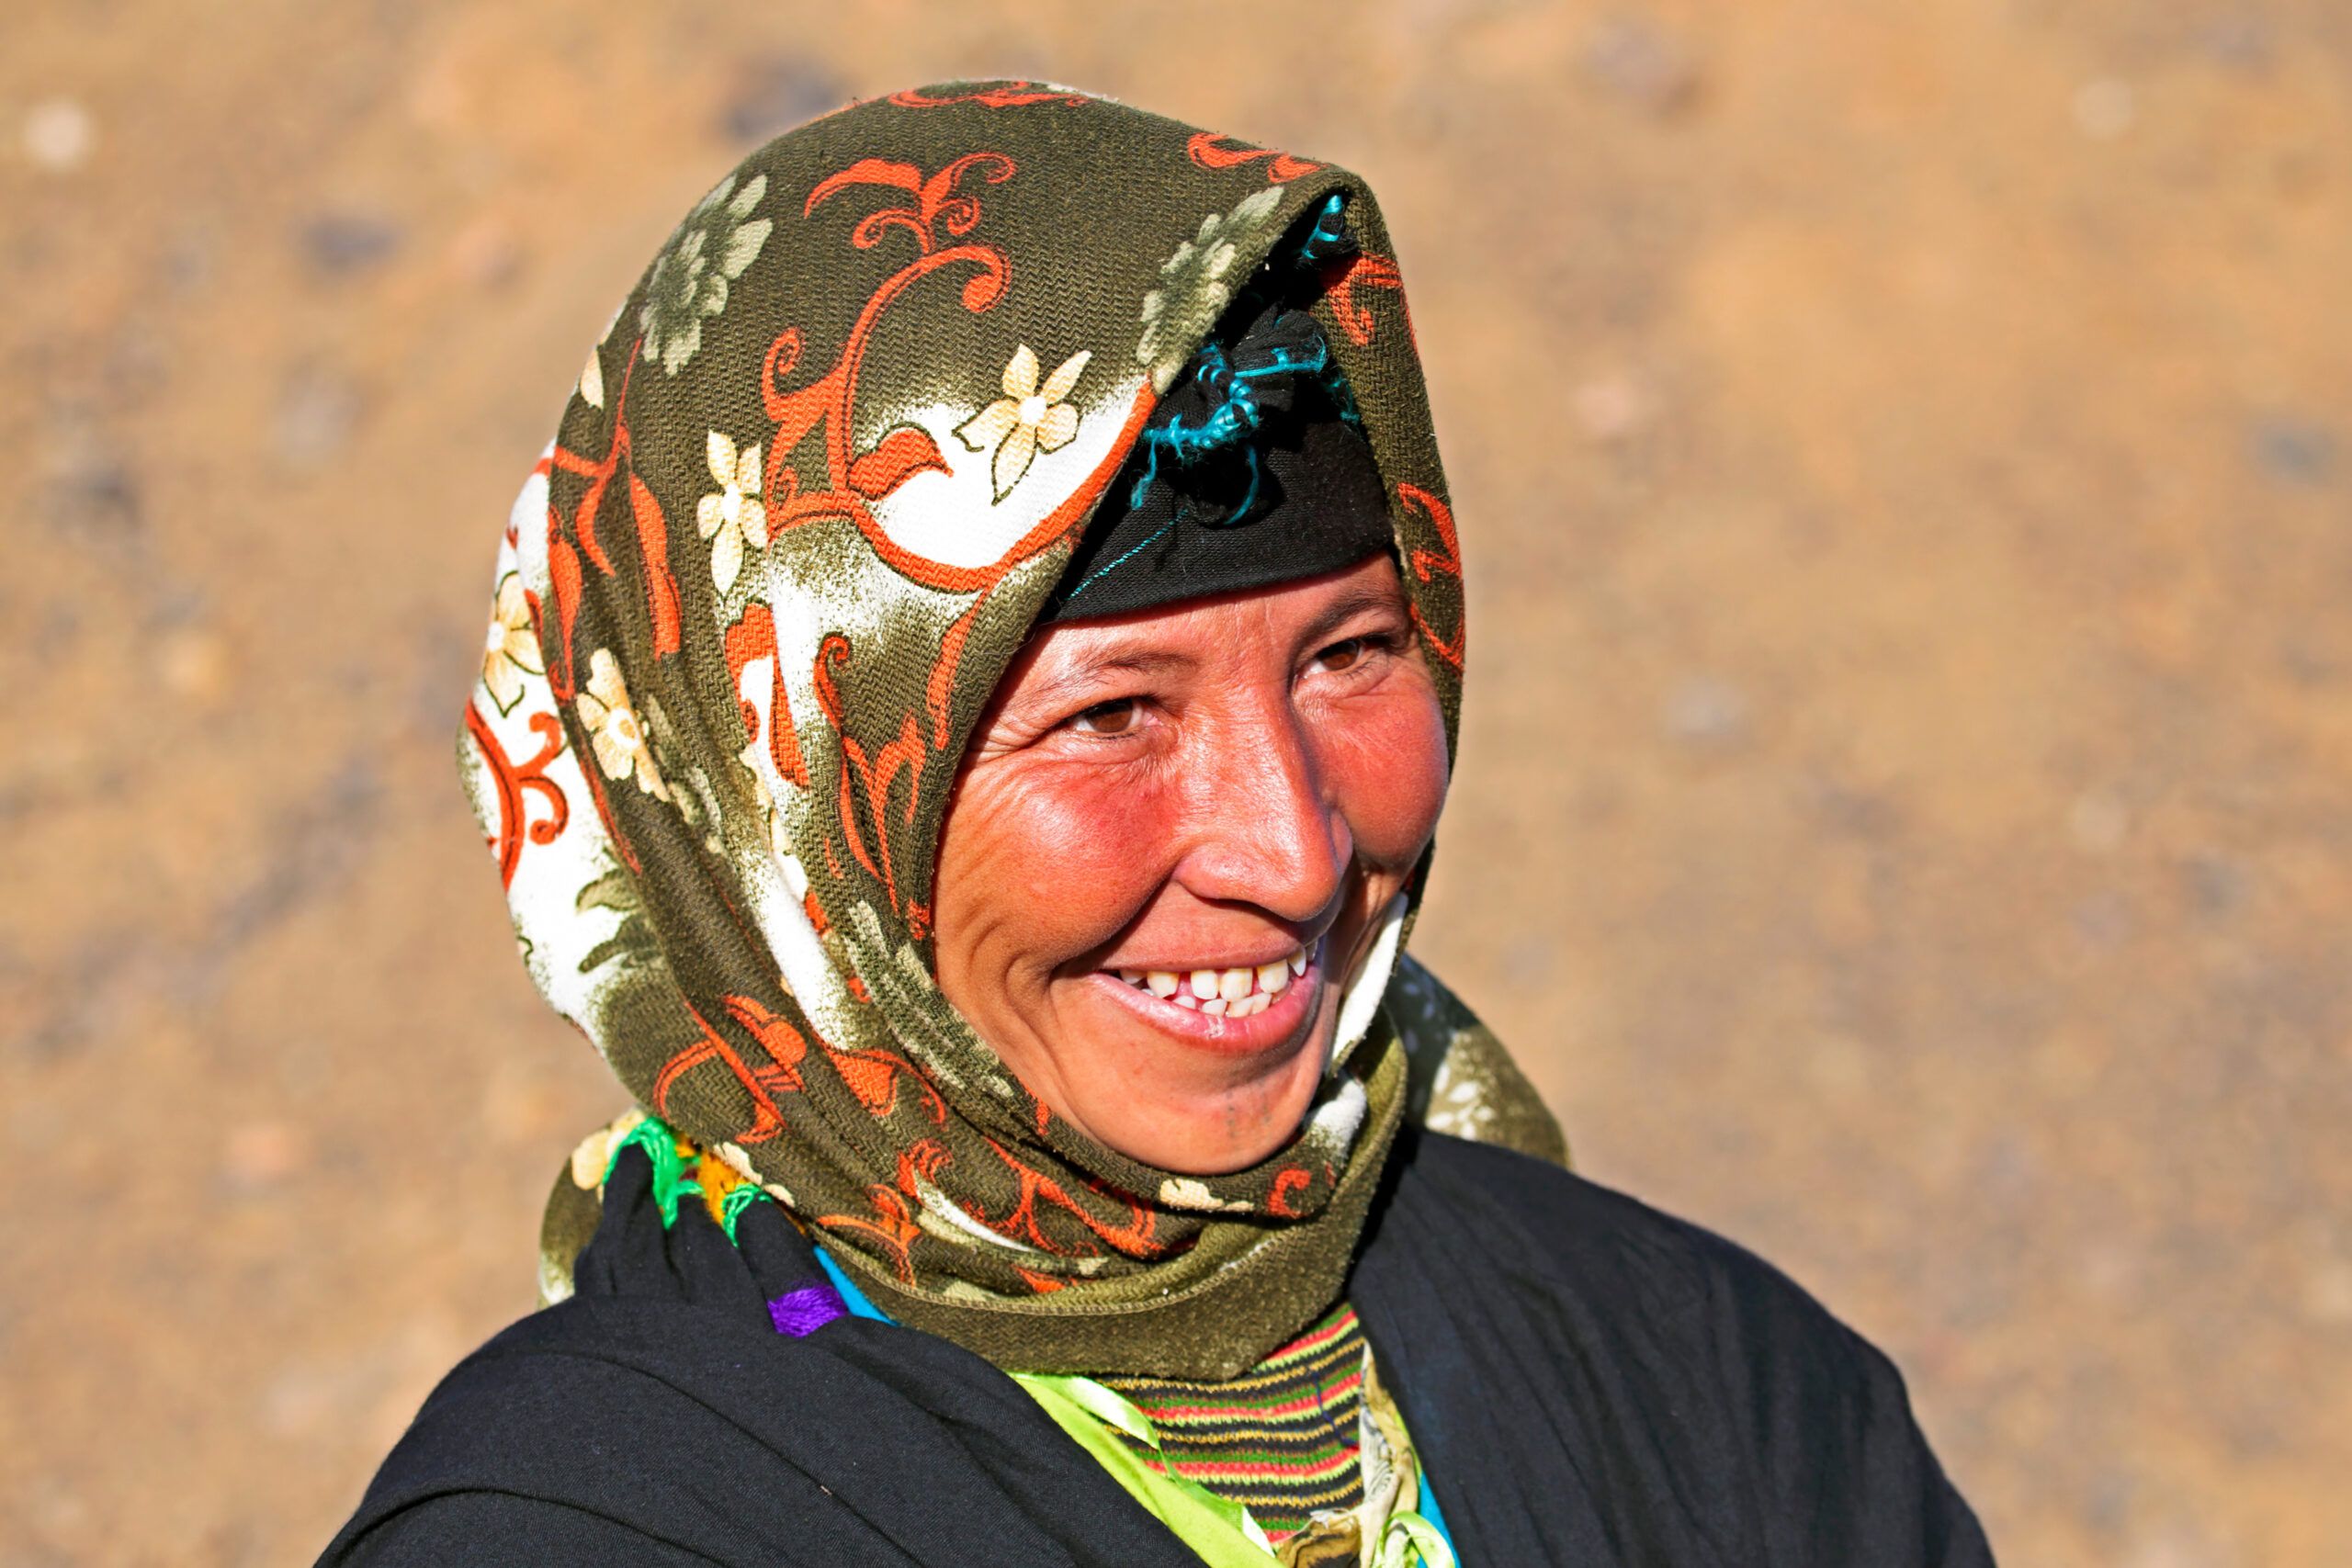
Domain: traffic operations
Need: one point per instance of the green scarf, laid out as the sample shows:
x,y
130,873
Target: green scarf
x,y
828,461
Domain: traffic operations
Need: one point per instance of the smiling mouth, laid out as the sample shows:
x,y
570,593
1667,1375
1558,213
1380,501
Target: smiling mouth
x,y
1221,993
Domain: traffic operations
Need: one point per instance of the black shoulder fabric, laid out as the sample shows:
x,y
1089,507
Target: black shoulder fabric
x,y
1589,1381
491,1529
658,1417
1592,1382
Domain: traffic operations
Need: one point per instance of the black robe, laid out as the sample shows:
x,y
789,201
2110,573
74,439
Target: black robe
x,y
1589,1382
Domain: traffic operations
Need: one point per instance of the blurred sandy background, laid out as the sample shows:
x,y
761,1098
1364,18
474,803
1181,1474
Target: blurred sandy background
x,y
1905,458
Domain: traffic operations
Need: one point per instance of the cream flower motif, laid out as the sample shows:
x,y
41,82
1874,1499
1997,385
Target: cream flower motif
x,y
592,375
511,651
1196,286
1027,419
719,239
614,731
1189,1192
593,1152
732,518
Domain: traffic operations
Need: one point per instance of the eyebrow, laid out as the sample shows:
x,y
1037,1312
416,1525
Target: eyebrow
x,y
1347,606
1112,661
1371,596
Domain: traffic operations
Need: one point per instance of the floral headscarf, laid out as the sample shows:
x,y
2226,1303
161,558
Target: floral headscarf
x,y
815,482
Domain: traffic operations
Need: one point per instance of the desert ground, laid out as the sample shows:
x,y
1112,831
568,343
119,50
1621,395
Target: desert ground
x,y
1904,456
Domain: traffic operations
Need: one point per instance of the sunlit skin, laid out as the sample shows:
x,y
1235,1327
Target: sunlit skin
x,y
1211,786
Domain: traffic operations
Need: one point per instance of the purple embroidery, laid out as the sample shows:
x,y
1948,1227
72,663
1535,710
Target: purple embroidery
x,y
806,1310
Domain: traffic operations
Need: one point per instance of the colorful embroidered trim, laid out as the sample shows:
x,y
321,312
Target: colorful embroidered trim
x,y
797,1314
1283,1440
1098,1420
1219,1527
681,1170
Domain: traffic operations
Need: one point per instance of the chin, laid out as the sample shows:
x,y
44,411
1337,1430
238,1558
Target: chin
x,y
1199,1095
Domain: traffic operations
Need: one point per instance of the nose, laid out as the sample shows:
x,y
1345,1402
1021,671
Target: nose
x,y
1264,830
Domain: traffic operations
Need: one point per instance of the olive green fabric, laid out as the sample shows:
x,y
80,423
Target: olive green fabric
x,y
827,462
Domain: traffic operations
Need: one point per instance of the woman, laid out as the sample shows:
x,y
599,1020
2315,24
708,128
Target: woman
x,y
969,696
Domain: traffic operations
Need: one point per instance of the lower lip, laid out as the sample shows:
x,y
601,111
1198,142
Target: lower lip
x,y
1266,1030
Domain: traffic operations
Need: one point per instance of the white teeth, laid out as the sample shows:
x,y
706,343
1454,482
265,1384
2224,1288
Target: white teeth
x,y
1228,993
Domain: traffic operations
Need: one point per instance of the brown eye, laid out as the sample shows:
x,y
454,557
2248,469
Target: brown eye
x,y
1116,717
1341,655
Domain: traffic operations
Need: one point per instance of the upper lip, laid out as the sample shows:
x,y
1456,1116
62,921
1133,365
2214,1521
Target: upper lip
x,y
1258,959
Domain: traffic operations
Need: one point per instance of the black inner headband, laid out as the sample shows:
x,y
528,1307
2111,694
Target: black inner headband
x,y
1253,470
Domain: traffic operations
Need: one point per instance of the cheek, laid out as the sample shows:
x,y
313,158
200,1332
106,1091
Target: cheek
x,y
1041,863
1385,757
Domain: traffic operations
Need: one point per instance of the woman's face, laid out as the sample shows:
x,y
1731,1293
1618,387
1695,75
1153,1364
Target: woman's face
x,y
1172,836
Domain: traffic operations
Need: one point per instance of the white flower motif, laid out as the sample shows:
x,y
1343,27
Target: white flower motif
x,y
511,649
734,517
1027,419
1196,286
719,239
616,732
